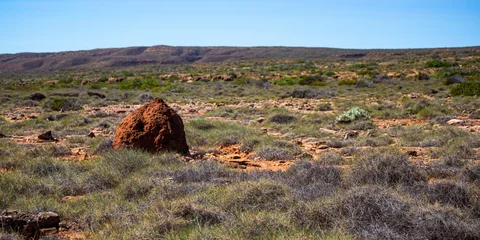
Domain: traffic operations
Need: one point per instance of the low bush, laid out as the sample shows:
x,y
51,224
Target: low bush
x,y
274,153
347,82
470,88
386,167
63,104
352,115
435,63
285,81
282,118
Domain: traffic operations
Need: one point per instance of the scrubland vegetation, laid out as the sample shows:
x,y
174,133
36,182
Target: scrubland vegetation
x,y
351,148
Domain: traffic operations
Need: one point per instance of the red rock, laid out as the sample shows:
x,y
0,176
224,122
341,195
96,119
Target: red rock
x,y
154,127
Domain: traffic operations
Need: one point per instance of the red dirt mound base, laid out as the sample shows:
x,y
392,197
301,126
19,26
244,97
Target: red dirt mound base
x,y
154,127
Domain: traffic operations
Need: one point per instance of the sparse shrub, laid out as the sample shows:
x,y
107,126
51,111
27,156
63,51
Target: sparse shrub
x,y
126,161
64,104
454,80
422,76
316,80
324,107
470,88
337,143
282,118
352,115
104,146
317,215
285,81
472,174
440,222
274,153
310,94
257,196
362,125
385,168
376,213
199,214
363,84
331,157
44,167
136,188
329,73
311,180
435,63
205,171
347,82
447,192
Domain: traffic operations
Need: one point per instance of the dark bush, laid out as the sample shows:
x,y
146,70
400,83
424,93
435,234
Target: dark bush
x,y
385,168
312,179
447,192
472,174
37,96
454,79
376,213
316,215
437,222
282,118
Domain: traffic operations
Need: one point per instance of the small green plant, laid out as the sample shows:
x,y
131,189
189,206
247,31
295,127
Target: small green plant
x,y
352,115
329,74
471,88
285,81
347,82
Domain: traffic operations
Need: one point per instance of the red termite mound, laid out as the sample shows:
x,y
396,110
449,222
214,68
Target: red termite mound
x,y
154,127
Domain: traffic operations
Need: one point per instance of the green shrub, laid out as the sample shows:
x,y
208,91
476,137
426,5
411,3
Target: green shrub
x,y
467,89
365,72
438,64
285,81
58,104
348,82
316,80
329,74
352,115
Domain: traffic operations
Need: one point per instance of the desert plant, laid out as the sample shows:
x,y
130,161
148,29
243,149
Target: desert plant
x,y
470,88
352,115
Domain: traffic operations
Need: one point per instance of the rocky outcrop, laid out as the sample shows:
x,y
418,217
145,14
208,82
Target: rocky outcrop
x,y
154,127
29,225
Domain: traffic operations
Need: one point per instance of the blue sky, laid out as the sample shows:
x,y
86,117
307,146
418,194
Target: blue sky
x,y
60,25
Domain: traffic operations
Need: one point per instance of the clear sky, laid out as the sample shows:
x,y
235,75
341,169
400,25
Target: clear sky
x,y
60,25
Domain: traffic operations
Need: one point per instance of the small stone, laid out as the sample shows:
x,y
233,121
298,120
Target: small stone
x,y
91,135
260,120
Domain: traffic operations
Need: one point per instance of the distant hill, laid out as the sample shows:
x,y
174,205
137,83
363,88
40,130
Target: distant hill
x,y
137,56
